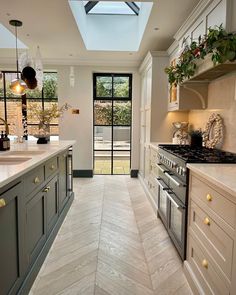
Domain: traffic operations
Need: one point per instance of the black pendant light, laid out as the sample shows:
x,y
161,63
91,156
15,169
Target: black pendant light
x,y
17,85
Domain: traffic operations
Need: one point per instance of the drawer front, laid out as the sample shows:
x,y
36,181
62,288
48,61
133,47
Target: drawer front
x,y
216,202
154,189
154,169
34,179
205,270
153,155
51,167
216,241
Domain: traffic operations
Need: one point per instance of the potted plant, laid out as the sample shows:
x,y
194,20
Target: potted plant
x,y
44,116
196,138
217,43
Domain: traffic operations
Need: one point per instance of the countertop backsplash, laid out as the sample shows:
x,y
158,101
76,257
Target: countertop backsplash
x,y
221,100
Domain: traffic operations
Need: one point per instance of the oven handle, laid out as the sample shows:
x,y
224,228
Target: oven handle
x,y
159,167
159,180
179,184
172,200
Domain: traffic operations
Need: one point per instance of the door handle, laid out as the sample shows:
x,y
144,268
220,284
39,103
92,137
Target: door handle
x,y
178,183
159,181
162,170
172,200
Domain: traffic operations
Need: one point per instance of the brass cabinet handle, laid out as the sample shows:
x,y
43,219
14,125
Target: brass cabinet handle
x,y
52,167
46,189
36,180
207,221
205,263
209,198
2,203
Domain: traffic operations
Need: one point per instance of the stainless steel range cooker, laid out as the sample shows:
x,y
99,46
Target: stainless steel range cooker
x,y
173,185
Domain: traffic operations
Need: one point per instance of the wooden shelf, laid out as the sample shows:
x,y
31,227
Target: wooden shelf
x,y
207,72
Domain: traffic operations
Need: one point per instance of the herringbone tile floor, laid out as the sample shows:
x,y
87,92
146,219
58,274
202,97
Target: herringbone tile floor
x,y
111,243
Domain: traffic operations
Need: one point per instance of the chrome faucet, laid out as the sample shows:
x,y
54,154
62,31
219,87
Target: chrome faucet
x,y
6,125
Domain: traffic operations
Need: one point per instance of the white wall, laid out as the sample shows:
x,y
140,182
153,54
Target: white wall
x,y
80,127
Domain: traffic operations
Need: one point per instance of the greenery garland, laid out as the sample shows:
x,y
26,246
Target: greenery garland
x,y
218,42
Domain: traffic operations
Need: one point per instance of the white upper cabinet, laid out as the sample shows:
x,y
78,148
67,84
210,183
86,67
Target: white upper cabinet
x,y
217,15
198,29
208,13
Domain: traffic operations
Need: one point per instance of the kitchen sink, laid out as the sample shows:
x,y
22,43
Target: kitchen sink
x,y
13,160
24,153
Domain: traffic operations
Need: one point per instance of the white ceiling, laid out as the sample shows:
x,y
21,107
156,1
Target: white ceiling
x,y
51,25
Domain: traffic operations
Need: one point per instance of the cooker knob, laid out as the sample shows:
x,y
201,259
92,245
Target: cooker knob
x,y
184,170
180,170
174,165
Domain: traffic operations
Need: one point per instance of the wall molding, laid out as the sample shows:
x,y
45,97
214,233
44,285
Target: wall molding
x,y
82,173
147,62
80,62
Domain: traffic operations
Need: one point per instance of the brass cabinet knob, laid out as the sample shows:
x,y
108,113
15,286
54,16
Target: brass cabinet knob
x,y
46,189
2,203
36,180
209,198
52,167
205,263
207,221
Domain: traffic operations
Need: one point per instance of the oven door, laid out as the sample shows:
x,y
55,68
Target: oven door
x,y
163,201
177,222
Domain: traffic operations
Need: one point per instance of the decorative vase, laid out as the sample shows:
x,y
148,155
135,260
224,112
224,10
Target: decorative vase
x,y
43,133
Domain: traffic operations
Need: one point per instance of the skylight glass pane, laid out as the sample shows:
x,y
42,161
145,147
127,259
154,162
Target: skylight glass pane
x,y
107,7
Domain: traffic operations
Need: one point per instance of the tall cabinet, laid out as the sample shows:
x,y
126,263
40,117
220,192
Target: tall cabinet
x,y
153,111
155,119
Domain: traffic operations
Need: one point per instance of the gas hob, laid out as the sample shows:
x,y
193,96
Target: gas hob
x,y
199,155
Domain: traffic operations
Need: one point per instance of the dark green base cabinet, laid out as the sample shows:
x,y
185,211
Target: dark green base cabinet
x,y
32,210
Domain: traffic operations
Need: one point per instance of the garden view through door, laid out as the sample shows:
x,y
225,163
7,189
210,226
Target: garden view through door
x,y
112,123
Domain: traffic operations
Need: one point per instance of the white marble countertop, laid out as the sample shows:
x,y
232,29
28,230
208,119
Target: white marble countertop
x,y
10,172
222,175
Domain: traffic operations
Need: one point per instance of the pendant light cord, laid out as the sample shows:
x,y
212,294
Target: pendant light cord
x,y
17,65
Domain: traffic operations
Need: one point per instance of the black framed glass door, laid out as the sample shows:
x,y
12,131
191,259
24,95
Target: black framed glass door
x,y
112,123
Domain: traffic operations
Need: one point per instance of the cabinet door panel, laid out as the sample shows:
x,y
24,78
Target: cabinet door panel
x,y
63,185
11,225
217,15
198,30
35,225
52,203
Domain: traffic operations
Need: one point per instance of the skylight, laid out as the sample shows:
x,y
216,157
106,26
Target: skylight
x,y
8,39
117,27
111,7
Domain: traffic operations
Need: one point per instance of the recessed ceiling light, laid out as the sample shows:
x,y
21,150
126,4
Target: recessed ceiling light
x,y
156,29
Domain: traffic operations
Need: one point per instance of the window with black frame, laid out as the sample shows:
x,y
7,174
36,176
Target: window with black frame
x,y
36,98
112,123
